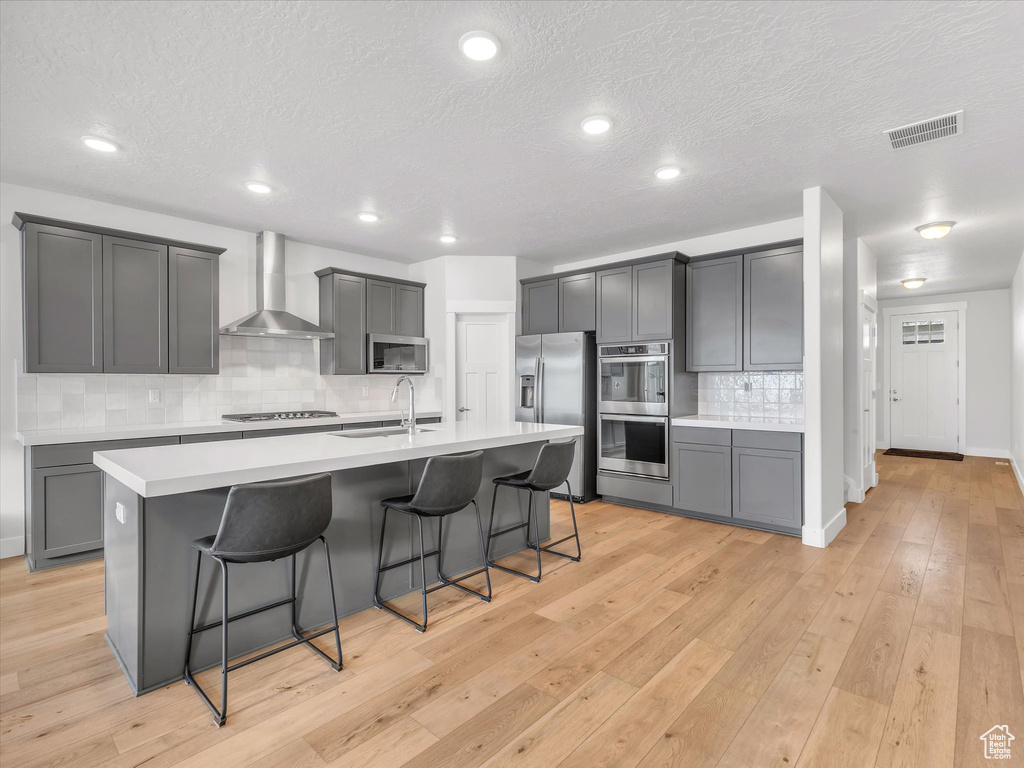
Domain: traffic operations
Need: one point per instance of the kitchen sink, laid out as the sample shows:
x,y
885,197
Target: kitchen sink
x,y
384,432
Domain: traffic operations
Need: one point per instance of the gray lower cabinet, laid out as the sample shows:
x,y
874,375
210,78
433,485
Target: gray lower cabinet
x,y
540,307
63,274
714,315
702,478
193,311
211,437
652,300
768,486
343,311
408,310
614,304
773,310
70,500
577,303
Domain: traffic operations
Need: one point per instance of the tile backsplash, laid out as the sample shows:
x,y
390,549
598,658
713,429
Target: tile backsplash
x,y
255,375
754,393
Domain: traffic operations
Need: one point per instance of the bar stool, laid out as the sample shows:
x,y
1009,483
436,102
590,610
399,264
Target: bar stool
x,y
550,471
264,522
449,485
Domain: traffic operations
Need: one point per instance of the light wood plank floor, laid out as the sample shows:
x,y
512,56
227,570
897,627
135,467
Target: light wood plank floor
x,y
674,643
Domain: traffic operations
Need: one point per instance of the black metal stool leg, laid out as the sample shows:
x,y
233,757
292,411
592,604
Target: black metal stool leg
x,y
491,534
224,644
575,533
297,633
380,560
192,621
423,574
449,582
483,550
490,526
334,608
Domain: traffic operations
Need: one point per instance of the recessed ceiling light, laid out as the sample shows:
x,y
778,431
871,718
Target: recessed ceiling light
x,y
595,125
447,239
913,283
668,173
935,230
258,187
479,46
100,145
369,217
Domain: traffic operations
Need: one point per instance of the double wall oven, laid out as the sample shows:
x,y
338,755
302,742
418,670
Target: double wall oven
x,y
634,409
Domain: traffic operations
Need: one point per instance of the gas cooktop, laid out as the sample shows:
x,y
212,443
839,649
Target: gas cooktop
x,y
278,416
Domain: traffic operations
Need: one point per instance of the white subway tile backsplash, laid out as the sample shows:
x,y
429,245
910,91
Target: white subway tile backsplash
x,y
255,374
754,393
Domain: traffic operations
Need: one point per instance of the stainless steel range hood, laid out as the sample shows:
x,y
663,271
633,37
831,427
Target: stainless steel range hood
x,y
271,318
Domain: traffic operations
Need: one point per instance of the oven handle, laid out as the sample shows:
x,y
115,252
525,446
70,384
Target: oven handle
x,y
621,417
636,359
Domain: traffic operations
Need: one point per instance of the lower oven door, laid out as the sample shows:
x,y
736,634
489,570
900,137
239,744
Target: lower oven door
x,y
635,445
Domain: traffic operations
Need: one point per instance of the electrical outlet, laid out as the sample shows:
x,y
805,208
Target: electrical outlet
x,y
366,391
119,512
154,397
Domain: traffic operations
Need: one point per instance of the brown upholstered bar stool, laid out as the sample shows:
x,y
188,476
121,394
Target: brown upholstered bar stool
x,y
550,471
264,522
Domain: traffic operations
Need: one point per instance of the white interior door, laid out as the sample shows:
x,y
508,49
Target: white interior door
x,y
869,355
481,362
923,356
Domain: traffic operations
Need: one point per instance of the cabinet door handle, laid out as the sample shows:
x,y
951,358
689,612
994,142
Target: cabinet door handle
x,y
463,410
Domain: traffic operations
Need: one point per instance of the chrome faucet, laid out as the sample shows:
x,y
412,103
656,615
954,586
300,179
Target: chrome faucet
x,y
411,421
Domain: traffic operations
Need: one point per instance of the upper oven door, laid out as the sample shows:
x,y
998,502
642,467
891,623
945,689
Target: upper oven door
x,y
397,354
635,384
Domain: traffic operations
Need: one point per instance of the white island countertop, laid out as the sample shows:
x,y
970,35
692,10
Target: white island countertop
x,y
758,423
133,431
170,469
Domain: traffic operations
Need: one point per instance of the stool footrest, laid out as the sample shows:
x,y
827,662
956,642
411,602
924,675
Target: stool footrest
x,y
507,530
245,615
407,562
300,639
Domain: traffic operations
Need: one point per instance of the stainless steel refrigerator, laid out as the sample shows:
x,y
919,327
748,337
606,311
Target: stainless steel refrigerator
x,y
556,383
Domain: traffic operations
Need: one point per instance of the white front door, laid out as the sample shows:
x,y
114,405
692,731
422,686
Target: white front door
x,y
923,394
868,355
481,362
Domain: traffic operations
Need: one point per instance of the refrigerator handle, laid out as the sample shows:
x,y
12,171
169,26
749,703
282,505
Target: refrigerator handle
x,y
538,409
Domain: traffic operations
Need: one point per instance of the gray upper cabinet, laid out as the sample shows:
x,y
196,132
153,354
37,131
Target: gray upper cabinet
x,y
652,300
540,307
193,311
577,303
134,306
381,303
773,304
63,300
615,304
343,311
767,486
714,315
408,310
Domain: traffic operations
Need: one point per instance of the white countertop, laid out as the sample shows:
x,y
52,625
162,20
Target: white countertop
x,y
761,423
90,434
169,469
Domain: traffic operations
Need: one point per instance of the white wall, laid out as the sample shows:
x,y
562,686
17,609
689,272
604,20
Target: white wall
x,y
237,298
859,274
987,360
1017,373
824,514
748,237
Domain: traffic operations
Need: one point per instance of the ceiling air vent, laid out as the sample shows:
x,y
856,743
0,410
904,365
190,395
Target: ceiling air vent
x,y
927,130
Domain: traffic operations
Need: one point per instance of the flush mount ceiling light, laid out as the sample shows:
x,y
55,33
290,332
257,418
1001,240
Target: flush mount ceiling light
x,y
100,145
935,230
595,125
447,239
479,46
913,283
258,187
668,173
369,217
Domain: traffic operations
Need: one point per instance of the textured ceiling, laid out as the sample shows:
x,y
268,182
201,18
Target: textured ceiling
x,y
344,106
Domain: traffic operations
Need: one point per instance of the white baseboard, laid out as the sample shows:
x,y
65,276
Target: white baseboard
x,y
881,445
1018,470
12,547
854,492
992,453
822,537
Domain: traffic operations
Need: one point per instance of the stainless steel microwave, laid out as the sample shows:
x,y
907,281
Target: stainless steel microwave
x,y
397,354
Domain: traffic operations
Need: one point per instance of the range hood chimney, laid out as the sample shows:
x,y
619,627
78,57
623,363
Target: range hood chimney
x,y
271,318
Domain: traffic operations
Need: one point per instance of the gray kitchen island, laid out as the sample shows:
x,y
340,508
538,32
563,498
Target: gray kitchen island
x,y
157,500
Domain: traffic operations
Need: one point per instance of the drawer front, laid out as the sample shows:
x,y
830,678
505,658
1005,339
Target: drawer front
x,y
212,437
81,453
702,435
365,425
777,441
635,489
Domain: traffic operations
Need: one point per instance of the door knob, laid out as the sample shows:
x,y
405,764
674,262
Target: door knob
x,y
463,410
